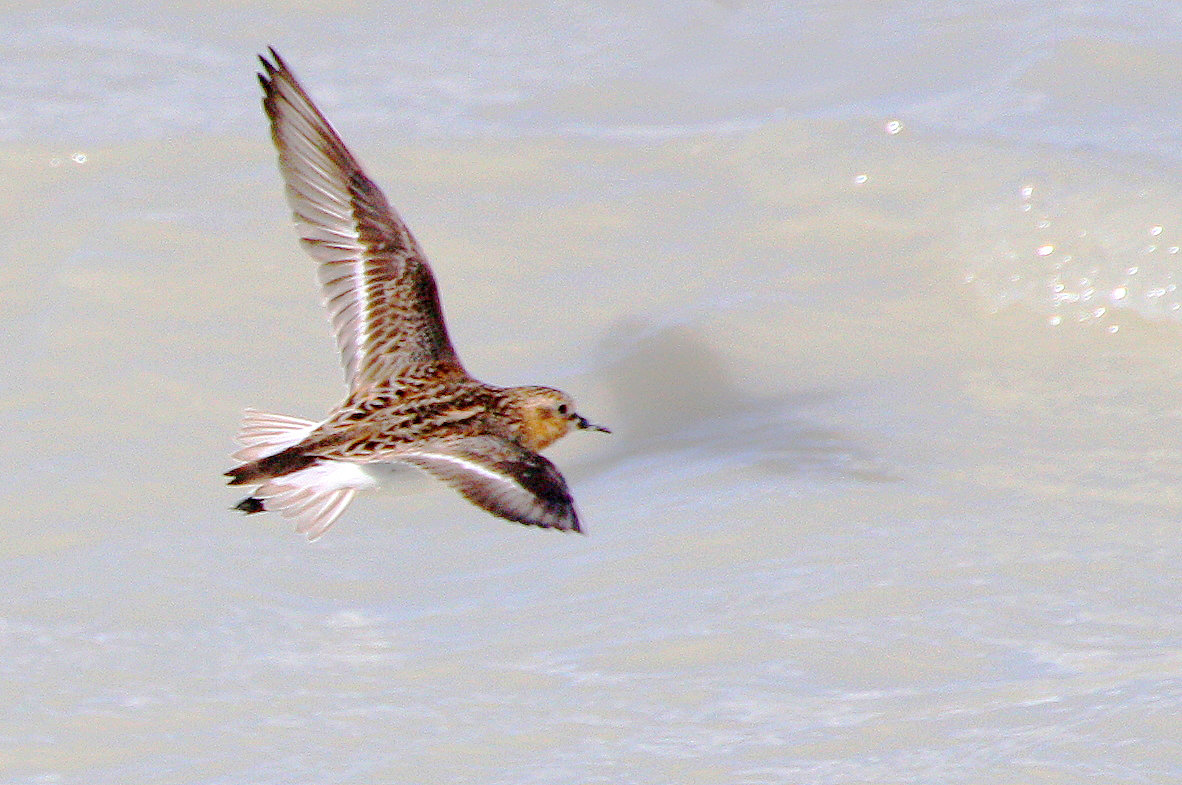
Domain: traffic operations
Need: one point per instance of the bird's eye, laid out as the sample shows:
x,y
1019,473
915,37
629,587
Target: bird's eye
x,y
562,408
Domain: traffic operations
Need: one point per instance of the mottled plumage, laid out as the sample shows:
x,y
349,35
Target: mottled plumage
x,y
410,402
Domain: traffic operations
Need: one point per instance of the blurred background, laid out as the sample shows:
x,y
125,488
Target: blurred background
x,y
879,298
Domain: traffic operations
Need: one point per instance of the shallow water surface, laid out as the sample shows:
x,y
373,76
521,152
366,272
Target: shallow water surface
x,y
879,300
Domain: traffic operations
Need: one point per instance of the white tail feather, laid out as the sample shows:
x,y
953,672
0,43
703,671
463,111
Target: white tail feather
x,y
263,434
316,519
313,497
316,496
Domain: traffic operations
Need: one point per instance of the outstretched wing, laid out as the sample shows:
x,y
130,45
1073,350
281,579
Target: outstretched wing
x,y
376,283
501,477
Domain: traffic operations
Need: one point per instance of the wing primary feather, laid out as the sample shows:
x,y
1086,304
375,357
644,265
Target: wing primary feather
x,y
502,478
344,219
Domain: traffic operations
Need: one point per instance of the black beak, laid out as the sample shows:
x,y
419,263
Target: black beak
x,y
585,425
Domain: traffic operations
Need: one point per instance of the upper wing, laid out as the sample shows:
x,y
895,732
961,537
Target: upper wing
x,y
502,477
376,283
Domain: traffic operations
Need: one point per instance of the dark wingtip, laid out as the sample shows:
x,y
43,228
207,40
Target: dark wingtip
x,y
575,526
270,67
275,63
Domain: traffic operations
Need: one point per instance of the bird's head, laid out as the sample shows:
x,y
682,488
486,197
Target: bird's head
x,y
544,415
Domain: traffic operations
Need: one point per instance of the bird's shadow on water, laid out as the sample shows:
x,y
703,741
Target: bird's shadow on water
x,y
674,396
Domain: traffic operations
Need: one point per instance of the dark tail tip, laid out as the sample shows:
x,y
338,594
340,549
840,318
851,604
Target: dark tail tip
x,y
277,465
250,504
240,475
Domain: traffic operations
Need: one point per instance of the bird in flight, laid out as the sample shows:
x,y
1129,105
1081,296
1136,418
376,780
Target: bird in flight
x,y
410,401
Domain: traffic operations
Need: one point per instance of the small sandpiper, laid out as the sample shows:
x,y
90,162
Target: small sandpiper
x,y
410,401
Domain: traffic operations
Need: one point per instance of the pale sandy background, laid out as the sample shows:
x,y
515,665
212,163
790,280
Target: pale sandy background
x,y
880,298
